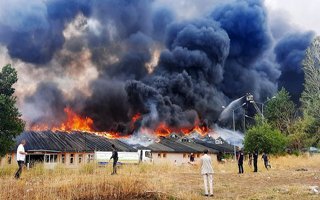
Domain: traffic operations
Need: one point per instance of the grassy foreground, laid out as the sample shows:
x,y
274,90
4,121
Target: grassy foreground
x,y
288,179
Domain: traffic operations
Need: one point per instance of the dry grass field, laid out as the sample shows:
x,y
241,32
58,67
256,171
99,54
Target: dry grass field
x,y
285,180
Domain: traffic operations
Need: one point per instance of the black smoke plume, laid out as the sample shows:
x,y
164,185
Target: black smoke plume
x,y
203,63
290,51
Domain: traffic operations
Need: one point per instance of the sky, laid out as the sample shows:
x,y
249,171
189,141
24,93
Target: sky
x,y
304,15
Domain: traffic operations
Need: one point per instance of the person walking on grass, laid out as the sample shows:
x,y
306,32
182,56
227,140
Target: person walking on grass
x,y
207,172
266,160
240,161
115,159
21,156
255,161
250,160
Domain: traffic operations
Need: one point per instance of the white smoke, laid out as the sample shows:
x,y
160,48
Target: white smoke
x,y
232,137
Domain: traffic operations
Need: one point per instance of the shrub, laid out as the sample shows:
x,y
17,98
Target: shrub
x,y
262,137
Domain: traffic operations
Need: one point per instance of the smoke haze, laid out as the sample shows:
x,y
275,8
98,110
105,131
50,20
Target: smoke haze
x,y
109,60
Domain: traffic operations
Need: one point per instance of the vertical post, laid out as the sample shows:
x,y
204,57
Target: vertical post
x,y
233,122
244,123
234,129
28,163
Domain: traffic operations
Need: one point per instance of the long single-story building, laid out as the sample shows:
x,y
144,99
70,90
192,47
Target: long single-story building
x,y
77,148
70,149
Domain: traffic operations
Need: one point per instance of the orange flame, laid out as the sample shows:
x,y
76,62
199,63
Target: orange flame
x,y
164,130
75,122
135,117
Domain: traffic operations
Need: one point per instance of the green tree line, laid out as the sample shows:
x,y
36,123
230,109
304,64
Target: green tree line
x,y
285,126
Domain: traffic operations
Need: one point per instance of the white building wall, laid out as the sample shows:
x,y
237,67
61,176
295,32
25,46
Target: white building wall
x,y
173,158
177,158
51,163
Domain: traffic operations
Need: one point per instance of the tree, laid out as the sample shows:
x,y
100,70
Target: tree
x,y
310,97
264,138
280,111
11,124
297,139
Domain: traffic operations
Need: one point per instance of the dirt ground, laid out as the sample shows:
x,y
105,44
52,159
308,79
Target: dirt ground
x,y
289,178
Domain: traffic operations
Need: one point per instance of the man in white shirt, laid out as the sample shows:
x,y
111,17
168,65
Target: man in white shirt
x,y
207,172
21,156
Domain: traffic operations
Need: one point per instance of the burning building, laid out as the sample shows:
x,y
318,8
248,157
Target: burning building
x,y
74,142
75,148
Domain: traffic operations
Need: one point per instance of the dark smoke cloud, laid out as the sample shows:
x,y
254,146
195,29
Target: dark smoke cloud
x,y
46,105
108,105
246,24
290,51
161,18
204,63
132,64
34,33
158,108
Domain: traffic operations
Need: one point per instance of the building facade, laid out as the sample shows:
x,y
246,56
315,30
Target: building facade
x,y
77,148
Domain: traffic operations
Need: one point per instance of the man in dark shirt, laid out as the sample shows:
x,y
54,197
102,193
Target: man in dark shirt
x,y
240,161
250,160
191,157
115,159
255,161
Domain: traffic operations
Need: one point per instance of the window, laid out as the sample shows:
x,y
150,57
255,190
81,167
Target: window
x,y
159,155
164,155
90,157
147,154
47,158
55,157
184,155
71,158
63,157
80,158
9,158
198,155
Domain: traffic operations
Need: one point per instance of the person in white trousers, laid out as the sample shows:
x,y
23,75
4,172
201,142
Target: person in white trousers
x,y
207,172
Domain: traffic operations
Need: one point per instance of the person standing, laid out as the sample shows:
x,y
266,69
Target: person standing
x,y
115,159
266,160
255,161
207,172
191,157
21,156
250,160
240,161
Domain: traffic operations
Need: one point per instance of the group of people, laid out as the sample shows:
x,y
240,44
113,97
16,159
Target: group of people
x,y
207,170
252,157
205,163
